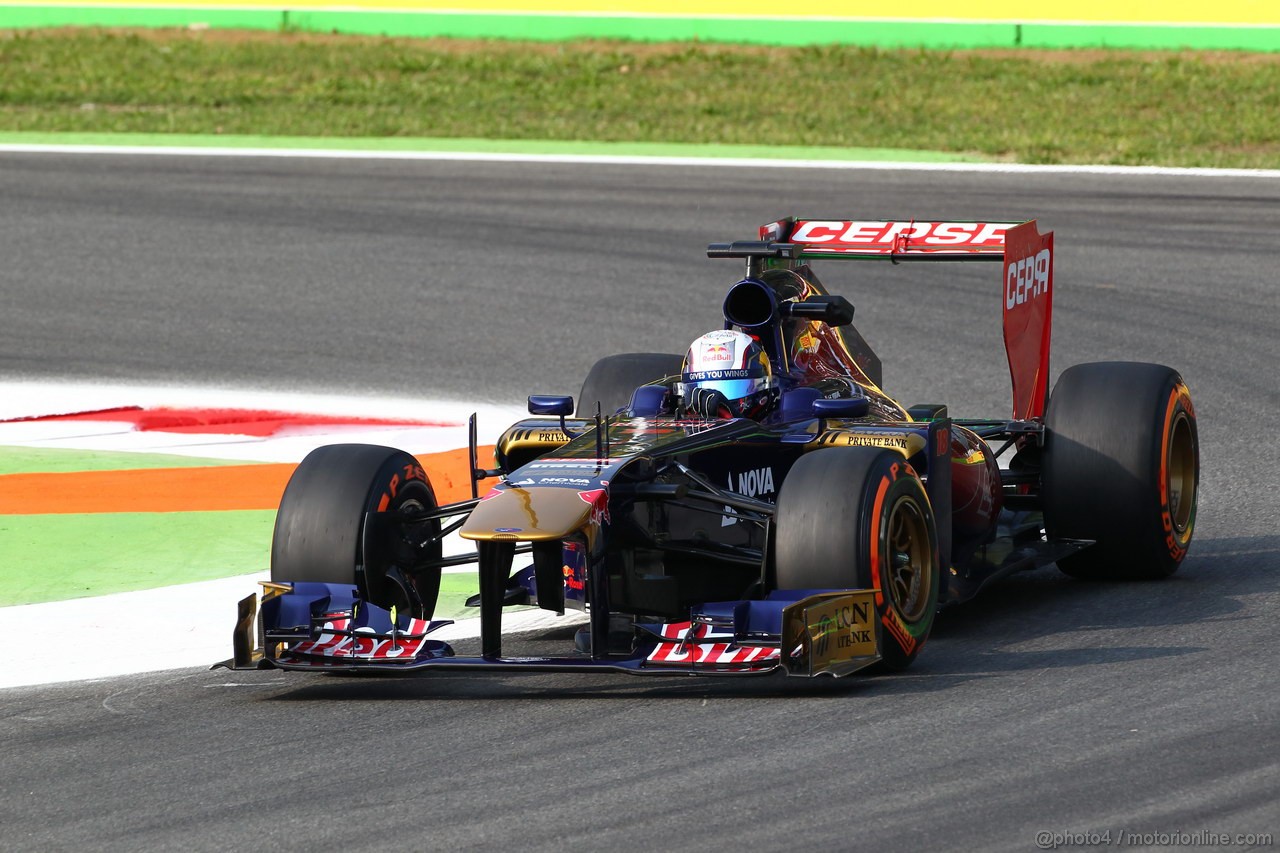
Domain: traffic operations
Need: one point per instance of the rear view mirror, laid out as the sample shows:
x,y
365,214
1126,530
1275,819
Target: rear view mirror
x,y
550,404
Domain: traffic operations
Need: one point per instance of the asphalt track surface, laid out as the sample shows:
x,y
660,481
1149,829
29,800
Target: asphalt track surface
x,y
1048,705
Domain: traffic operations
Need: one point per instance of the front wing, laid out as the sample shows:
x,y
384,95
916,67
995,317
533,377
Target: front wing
x,y
325,627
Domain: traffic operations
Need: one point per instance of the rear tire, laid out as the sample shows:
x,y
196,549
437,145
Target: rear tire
x,y
859,518
1121,465
324,531
614,378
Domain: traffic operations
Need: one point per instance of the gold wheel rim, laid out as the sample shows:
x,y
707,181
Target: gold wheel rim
x,y
1181,465
909,574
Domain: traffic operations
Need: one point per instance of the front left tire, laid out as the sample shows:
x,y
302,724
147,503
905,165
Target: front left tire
x,y
346,518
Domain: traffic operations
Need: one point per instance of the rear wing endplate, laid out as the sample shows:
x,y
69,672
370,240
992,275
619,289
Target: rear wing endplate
x,y
1027,256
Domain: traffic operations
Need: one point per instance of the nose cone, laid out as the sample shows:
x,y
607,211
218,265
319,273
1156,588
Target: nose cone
x,y
536,514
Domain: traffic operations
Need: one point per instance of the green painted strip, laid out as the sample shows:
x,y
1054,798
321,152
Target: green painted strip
x,y
748,31
455,589
59,557
887,34
1262,39
487,146
33,460
56,557
23,17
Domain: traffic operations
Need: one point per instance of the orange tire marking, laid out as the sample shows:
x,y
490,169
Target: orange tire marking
x,y
1175,543
876,507
232,487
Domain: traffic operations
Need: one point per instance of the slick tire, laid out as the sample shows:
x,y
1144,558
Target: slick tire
x,y
614,378
338,523
858,517
1121,466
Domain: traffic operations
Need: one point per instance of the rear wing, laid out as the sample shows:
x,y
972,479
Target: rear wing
x,y
1027,256
896,241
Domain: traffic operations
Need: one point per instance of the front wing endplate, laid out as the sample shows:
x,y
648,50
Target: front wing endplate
x,y
831,632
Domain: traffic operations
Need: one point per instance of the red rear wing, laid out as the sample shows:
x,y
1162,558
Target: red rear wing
x,y
1028,316
898,241
1027,276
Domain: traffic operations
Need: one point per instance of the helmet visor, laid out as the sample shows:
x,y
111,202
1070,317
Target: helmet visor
x,y
732,389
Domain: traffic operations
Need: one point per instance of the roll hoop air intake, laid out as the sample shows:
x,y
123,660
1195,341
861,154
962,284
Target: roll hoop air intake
x,y
754,304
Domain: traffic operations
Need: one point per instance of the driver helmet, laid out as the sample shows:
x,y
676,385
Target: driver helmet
x,y
727,374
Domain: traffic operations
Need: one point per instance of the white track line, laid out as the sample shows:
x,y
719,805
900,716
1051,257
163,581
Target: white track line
x,y
635,160
160,629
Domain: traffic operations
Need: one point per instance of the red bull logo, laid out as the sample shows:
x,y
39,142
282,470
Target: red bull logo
x,y
599,500
717,352
574,570
571,579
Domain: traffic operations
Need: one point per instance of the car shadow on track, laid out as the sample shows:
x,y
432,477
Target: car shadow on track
x,y
1036,621
1070,622
1206,587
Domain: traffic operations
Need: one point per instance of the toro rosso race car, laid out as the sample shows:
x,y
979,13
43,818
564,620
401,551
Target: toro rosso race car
x,y
757,505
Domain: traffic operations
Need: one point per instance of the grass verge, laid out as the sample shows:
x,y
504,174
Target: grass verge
x,y
59,557
1180,109
56,557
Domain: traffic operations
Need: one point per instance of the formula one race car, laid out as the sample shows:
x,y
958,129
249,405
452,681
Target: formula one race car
x,y
757,505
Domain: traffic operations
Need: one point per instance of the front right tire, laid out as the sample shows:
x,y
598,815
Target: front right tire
x,y
859,518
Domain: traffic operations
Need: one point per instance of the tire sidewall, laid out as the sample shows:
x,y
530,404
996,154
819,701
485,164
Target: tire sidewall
x,y
1179,409
902,637
399,482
